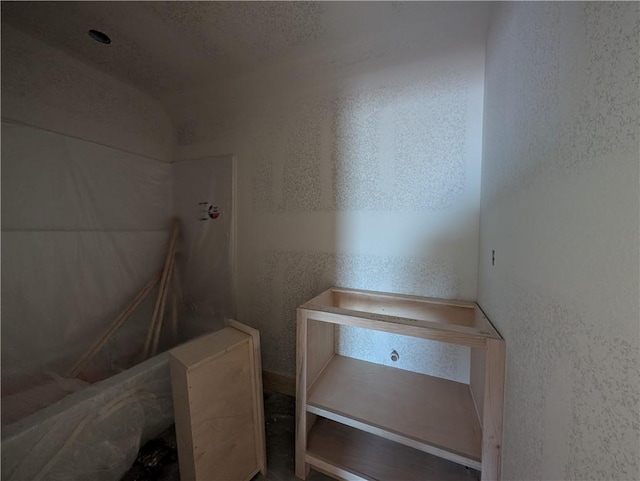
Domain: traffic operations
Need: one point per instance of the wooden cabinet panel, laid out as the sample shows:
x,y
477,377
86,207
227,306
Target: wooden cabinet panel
x,y
217,393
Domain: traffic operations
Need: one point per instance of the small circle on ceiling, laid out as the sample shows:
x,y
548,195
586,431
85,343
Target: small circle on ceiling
x,y
99,36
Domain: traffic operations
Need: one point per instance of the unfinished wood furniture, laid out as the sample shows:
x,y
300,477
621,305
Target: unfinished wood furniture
x,y
113,327
153,336
358,420
217,400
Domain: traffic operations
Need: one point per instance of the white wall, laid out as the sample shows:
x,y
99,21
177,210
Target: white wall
x,y
46,88
86,198
358,166
560,207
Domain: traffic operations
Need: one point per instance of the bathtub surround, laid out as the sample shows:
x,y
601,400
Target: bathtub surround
x,y
86,199
94,434
87,195
203,200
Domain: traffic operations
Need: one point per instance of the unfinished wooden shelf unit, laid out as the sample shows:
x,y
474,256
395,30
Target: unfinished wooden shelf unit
x,y
348,410
217,401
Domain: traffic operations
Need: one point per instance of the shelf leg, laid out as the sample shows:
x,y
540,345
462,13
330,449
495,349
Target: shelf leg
x,y
302,468
493,406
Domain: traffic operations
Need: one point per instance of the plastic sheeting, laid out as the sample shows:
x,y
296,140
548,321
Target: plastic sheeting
x,y
203,201
95,434
84,227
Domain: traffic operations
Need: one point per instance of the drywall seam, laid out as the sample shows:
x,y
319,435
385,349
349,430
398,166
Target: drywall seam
x,y
9,121
371,168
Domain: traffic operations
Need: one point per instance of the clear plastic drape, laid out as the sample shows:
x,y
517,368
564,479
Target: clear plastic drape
x,y
84,227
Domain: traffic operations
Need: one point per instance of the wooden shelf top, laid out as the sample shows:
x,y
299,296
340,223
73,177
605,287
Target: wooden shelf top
x,y
336,448
205,348
428,413
448,320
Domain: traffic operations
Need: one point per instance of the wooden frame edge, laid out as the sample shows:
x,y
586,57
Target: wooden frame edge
x,y
302,468
280,383
493,411
407,297
261,445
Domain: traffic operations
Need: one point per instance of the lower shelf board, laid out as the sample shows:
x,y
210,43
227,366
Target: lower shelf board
x,y
433,415
350,454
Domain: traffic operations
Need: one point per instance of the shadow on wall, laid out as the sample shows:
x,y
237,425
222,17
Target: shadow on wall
x,y
372,186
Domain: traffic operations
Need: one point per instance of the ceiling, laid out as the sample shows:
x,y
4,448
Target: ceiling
x,y
167,47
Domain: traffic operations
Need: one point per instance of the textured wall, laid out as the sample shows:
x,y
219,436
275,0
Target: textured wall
x,y
357,167
560,199
46,88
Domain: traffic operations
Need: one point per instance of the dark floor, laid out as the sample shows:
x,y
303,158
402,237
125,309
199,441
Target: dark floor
x,y
279,417
157,460
162,465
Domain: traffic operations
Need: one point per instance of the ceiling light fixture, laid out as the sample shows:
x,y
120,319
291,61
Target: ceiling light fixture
x,y
99,36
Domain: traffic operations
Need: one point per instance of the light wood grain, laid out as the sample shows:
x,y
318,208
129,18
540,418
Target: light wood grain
x,y
445,311
279,383
217,393
378,322
320,348
411,308
333,470
476,379
337,292
428,414
258,406
174,316
162,291
349,453
311,420
493,410
181,410
208,347
488,326
301,467
113,327
222,417
158,323
421,411
177,299
322,413
177,282
446,314
324,298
